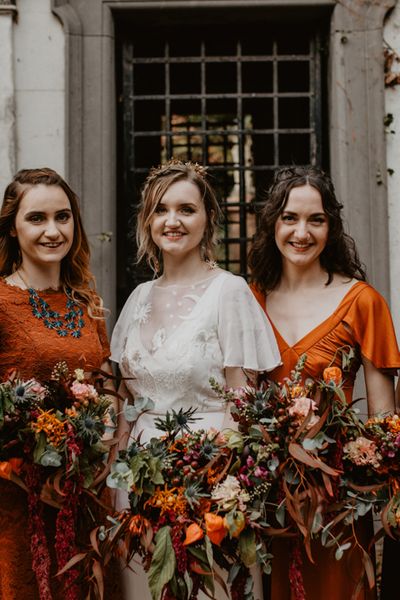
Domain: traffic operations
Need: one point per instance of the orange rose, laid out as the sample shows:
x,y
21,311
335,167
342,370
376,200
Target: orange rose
x,y
193,533
215,528
332,374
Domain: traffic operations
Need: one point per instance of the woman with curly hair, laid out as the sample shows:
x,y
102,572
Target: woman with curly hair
x,y
307,276
193,321
49,311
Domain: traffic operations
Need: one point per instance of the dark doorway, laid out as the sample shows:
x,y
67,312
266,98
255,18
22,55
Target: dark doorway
x,y
240,97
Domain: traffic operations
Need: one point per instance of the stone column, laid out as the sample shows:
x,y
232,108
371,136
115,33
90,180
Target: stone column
x,y
8,10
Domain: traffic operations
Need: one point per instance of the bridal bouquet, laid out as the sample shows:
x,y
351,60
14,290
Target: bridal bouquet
x,y
51,445
188,515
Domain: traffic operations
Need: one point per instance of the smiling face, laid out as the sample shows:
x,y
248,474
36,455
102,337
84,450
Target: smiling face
x,y
44,225
301,231
179,220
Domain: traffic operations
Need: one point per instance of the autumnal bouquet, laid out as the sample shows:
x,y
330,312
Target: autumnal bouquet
x,y
312,467
204,506
188,516
51,445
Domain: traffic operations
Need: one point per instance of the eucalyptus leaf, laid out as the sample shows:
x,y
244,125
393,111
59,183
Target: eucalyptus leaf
x,y
132,411
280,514
340,551
50,458
273,464
121,477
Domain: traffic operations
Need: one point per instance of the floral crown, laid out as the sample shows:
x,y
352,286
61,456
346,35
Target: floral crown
x,y
167,167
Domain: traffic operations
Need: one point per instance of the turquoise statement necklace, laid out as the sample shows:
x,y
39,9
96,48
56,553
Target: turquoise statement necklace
x,y
70,323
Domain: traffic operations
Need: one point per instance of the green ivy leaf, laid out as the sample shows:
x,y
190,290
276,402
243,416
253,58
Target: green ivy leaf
x,y
162,567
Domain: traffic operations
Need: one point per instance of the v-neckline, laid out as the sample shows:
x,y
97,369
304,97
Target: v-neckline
x,y
312,331
173,334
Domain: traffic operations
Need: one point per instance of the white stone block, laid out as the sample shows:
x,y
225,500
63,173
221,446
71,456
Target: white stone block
x,y
40,129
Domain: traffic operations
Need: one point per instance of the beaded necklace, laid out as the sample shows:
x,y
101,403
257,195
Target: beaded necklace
x,y
70,323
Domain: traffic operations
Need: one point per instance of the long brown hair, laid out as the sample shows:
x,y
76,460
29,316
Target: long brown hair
x,y
340,253
158,181
75,272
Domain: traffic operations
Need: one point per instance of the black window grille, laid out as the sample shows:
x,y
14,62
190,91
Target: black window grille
x,y
243,106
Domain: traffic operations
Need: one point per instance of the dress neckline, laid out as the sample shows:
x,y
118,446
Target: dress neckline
x,y
193,313
13,287
322,325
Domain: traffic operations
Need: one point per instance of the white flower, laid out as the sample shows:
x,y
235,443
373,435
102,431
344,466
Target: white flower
x,y
228,493
141,312
79,374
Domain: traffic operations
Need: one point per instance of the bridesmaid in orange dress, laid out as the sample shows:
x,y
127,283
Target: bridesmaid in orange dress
x,y
308,279
44,257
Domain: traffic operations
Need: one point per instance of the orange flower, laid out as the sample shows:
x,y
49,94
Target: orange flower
x,y
393,422
194,533
138,525
52,426
332,374
215,528
5,470
296,391
169,499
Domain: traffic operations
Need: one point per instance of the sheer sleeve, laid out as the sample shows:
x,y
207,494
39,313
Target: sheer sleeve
x,y
122,326
245,334
371,323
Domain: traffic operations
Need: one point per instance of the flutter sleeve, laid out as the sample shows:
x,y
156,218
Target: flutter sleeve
x,y
245,334
122,327
371,323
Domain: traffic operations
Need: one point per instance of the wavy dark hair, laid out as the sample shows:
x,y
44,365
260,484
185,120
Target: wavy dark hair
x,y
75,272
339,255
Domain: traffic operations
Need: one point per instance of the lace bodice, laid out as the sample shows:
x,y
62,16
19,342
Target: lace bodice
x,y
171,340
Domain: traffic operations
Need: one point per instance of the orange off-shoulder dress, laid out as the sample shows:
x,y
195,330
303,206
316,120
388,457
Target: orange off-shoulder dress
x,y
361,321
28,346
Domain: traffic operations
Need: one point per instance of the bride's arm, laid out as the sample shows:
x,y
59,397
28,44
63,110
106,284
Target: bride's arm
x,y
235,378
123,427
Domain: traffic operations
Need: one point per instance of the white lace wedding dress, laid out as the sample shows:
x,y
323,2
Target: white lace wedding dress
x,y
171,340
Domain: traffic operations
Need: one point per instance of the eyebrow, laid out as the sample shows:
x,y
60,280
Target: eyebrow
x,y
318,214
180,204
41,212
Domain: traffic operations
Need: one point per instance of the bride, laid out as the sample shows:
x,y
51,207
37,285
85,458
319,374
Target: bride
x,y
192,322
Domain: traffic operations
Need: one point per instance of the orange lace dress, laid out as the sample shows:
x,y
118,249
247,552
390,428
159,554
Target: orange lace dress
x,y
363,321
27,345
